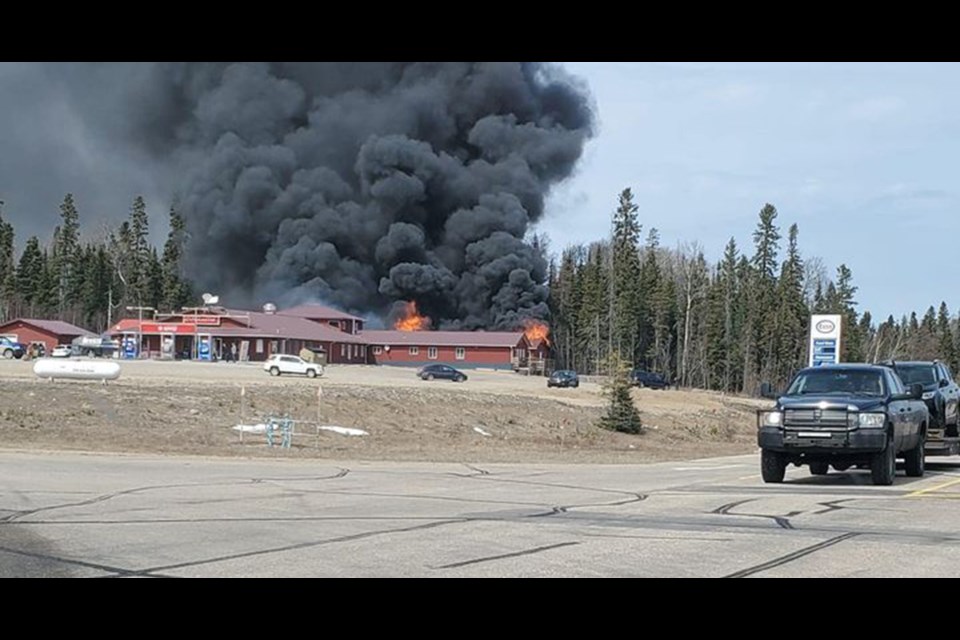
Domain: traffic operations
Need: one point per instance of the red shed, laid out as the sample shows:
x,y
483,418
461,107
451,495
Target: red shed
x,y
48,332
466,349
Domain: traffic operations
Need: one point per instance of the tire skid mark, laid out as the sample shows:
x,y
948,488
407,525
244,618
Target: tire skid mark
x,y
115,571
790,557
305,545
515,554
727,510
16,514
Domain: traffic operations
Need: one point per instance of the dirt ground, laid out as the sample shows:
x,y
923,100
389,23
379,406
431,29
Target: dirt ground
x,y
190,408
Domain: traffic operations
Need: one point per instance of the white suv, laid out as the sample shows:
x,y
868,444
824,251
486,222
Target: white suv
x,y
278,364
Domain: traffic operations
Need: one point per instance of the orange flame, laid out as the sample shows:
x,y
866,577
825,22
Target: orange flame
x,y
536,330
411,320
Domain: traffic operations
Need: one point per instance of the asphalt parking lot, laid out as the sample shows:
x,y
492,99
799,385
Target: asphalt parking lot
x,y
95,515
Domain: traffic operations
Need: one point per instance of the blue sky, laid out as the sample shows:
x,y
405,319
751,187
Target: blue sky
x,y
862,156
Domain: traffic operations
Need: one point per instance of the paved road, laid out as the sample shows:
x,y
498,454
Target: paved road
x,y
108,515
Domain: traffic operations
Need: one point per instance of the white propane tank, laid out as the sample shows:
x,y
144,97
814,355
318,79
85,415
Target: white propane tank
x,y
58,368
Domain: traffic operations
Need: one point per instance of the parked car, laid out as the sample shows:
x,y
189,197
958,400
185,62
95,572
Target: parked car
x,y
10,349
840,416
441,372
563,378
940,392
648,379
61,351
278,364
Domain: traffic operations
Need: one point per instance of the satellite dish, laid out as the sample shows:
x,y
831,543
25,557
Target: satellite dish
x,y
269,308
214,300
209,298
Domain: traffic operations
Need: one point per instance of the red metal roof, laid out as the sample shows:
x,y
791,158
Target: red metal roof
x,y
317,311
447,338
57,327
283,326
263,325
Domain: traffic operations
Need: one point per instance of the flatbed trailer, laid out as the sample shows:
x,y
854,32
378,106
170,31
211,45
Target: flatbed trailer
x,y
941,445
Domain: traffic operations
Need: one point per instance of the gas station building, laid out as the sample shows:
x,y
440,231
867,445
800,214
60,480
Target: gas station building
x,y
223,334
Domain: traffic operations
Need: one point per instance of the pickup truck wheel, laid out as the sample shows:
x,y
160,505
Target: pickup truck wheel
x,y
913,461
819,468
772,466
883,465
8,354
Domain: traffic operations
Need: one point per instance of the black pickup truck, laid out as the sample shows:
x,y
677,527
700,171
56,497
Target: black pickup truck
x,y
840,416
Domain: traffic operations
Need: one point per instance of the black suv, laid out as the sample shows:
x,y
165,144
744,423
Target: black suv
x,y
641,378
840,416
940,392
564,378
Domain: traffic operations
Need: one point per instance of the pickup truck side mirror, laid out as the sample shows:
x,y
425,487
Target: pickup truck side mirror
x,y
944,382
916,391
766,391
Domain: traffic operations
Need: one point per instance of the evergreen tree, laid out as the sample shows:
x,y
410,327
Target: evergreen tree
x,y
945,348
30,276
624,279
622,414
792,316
649,285
594,310
176,292
8,271
65,256
139,252
761,300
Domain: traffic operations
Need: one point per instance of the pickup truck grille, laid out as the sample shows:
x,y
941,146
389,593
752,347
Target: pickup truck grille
x,y
817,418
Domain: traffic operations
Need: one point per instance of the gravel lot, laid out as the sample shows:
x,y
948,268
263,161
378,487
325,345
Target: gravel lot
x,y
191,407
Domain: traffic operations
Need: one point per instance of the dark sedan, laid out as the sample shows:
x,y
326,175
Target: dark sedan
x,y
564,378
648,379
441,372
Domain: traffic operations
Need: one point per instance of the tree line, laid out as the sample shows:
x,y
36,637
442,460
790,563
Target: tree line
x,y
90,281
724,326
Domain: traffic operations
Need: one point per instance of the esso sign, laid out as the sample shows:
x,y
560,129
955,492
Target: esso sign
x,y
826,326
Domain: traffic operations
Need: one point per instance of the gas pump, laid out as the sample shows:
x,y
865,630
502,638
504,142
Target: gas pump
x,y
204,347
129,346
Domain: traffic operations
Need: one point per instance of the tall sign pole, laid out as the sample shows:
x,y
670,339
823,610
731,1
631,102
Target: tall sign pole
x,y
824,347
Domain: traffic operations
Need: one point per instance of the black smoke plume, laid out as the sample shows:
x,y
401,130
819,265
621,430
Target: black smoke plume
x,y
363,184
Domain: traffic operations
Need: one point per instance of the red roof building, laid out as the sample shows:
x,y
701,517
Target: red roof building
x,y
235,334
50,333
461,349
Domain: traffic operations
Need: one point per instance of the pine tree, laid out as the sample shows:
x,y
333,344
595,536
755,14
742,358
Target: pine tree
x,y
842,302
945,348
176,292
792,315
624,279
649,286
139,252
761,299
30,276
622,414
8,270
594,311
65,256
